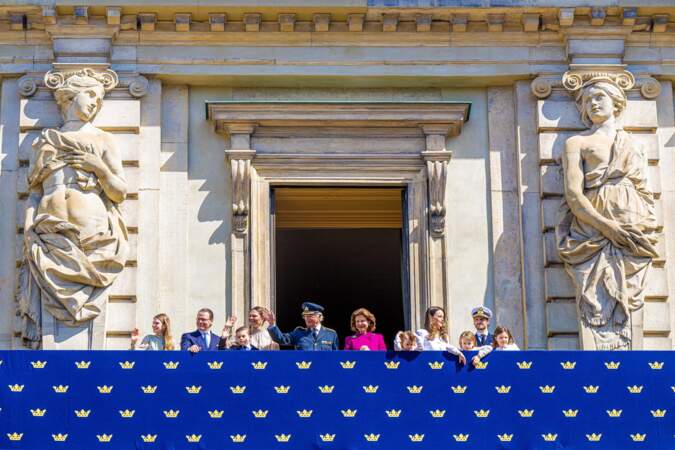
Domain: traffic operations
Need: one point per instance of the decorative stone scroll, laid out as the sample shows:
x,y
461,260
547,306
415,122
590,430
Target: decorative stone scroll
x,y
606,234
75,238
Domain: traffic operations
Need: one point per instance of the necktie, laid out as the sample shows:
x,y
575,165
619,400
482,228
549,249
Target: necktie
x,y
207,339
315,333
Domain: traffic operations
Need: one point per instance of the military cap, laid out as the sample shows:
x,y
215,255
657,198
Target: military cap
x,y
481,311
311,308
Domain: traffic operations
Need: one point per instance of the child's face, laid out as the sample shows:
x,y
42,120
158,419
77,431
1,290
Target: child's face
x,y
466,344
242,338
502,339
408,345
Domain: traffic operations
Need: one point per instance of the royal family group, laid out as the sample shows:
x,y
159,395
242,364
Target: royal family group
x,y
262,333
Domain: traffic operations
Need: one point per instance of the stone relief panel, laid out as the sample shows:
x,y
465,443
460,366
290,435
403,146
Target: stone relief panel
x,y
75,239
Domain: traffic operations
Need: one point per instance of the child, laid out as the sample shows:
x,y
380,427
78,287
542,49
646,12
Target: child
x,y
406,341
502,341
467,341
242,340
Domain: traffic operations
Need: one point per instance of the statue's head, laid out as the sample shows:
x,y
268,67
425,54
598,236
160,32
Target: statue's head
x,y
599,100
79,94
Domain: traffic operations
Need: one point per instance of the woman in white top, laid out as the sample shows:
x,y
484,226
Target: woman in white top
x,y
434,335
161,339
502,341
259,336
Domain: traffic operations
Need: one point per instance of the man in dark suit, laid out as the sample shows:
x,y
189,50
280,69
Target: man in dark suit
x,y
313,336
481,321
202,338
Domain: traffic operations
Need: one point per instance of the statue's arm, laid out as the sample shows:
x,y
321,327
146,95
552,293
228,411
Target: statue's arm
x,y
31,206
111,177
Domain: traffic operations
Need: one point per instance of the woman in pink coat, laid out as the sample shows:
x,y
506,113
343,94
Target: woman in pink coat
x,y
363,324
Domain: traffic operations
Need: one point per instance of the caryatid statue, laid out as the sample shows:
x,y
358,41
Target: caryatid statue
x,y
606,234
75,238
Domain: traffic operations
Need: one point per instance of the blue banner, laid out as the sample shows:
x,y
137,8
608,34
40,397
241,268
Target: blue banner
x,y
336,400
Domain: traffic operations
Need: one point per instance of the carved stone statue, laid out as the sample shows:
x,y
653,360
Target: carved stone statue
x,y
75,239
607,229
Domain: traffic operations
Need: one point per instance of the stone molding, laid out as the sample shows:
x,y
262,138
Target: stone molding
x,y
544,85
135,85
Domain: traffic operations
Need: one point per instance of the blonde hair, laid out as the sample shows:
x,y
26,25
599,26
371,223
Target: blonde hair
x,y
166,331
614,92
468,335
407,336
442,332
370,317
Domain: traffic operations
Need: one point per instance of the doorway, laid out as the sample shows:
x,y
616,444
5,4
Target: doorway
x,y
341,248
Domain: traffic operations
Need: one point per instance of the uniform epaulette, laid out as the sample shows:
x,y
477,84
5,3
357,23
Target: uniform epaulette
x,y
300,329
329,329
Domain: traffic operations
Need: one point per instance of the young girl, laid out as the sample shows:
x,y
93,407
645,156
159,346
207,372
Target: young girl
x,y
161,339
502,340
405,341
467,341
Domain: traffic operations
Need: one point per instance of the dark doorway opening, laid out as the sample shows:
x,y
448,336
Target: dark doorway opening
x,y
338,260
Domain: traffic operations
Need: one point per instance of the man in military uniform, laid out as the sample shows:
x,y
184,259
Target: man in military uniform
x,y
313,336
481,320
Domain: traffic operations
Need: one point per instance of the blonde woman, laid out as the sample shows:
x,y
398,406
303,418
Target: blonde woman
x,y
160,339
259,336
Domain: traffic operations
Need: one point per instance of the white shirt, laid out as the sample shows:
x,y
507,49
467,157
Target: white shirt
x,y
487,349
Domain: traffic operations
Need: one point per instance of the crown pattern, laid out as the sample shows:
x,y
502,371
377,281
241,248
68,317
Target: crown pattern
x,y
14,436
637,437
60,389
193,389
104,389
547,389
326,389
104,437
436,365
482,413
238,438
127,365
416,437
481,365
171,365
392,365
127,413
327,437
38,412
193,438
635,389
612,365
393,413
82,364
171,414
282,389
570,412
437,414
372,437
415,389
614,413
461,437
658,413
260,414
282,437
149,389
59,437
304,365
16,387
524,365
82,413
347,365
526,412
216,414
568,365
458,389
591,389
238,389
305,413
503,389
656,365
505,437
38,364
260,365
549,437
348,412
149,437
370,389
594,437
215,365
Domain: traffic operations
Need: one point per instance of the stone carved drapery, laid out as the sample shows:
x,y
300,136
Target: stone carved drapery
x,y
241,188
606,233
75,238
436,157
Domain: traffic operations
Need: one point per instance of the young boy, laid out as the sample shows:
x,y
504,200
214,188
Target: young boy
x,y
242,340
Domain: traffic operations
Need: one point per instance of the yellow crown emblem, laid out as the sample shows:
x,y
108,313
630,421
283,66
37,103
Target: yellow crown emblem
x,y
481,365
327,437
372,437
348,412
416,437
193,389
370,389
549,437
614,412
591,389
16,387
482,413
38,412
305,413
415,389
568,365
149,389
612,365
461,437
238,438
282,389
260,414
105,389
38,364
635,389
458,389
172,365
392,364
193,437
503,389
148,437
127,413
171,414
304,364
238,389
82,413
656,365
436,365
104,437
282,437
437,414
326,389
14,436
526,412
524,365
393,413
347,365
570,412
127,364
82,364
658,413
60,389
59,437
260,365
215,365
505,437
547,389
594,437
637,437
215,414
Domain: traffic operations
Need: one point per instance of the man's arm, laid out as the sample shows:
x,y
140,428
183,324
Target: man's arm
x,y
185,341
279,337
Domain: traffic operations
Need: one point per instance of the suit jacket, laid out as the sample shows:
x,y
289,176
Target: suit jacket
x,y
301,338
195,338
481,342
